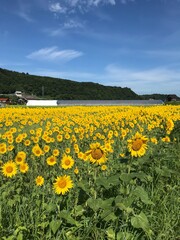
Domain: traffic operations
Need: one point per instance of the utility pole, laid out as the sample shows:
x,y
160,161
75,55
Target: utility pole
x,y
42,91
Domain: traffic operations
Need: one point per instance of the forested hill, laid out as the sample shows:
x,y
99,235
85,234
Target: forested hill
x,y
55,88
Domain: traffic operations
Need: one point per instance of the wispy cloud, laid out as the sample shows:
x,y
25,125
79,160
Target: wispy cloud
x,y
25,16
156,80
163,53
23,10
126,1
154,53
52,54
71,25
161,79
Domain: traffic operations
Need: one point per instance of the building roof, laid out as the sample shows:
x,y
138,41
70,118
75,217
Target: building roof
x,y
109,102
4,99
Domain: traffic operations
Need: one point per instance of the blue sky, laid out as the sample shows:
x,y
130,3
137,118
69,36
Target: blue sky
x,y
126,43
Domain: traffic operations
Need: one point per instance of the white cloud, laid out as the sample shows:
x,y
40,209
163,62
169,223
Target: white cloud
x,y
71,6
57,8
53,53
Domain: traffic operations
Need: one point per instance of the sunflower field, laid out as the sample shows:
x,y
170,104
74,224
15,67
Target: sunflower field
x,y
89,173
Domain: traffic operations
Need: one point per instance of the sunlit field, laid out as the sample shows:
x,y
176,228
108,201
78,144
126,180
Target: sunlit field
x,y
89,173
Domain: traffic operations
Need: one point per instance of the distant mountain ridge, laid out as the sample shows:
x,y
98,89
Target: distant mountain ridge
x,y
58,88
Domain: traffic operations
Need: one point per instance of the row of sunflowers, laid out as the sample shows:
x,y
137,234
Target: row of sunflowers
x,y
54,150
42,132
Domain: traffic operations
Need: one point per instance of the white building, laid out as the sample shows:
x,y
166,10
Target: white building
x,y
41,103
18,93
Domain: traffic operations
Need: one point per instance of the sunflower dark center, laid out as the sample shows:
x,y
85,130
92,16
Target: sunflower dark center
x,y
38,151
52,160
97,153
137,144
67,161
19,159
9,169
62,183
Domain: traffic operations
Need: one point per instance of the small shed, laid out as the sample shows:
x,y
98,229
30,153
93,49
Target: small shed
x,y
4,100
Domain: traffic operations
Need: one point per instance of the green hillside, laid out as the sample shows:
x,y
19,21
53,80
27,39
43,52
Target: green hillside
x,y
55,88
163,97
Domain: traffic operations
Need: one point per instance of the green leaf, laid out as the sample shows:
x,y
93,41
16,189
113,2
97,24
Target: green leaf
x,y
164,171
126,177
140,221
142,194
43,224
20,228
84,186
114,180
106,204
20,236
10,238
94,204
124,236
79,210
11,202
108,215
110,233
51,207
102,181
124,203
67,216
54,225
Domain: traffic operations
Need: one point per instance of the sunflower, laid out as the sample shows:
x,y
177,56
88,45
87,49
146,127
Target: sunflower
x,y
67,162
103,167
169,125
56,152
39,181
9,169
76,170
37,151
3,148
62,184
80,155
137,145
20,157
10,148
97,153
51,161
27,142
166,139
59,138
154,140
23,167
46,148
67,150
